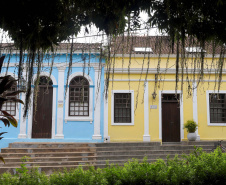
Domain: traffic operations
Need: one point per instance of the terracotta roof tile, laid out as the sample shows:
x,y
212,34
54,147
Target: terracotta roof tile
x,y
61,46
158,44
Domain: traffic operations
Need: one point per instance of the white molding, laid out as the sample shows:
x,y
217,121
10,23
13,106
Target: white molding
x,y
44,74
80,118
60,103
61,65
77,118
106,137
17,116
195,109
146,136
97,109
181,112
162,70
23,124
132,107
146,56
153,80
30,113
80,74
208,107
63,51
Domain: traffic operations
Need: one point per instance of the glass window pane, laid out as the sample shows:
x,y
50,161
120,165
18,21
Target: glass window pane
x,y
80,96
122,107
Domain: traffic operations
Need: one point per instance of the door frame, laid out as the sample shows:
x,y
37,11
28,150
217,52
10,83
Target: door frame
x,y
30,113
181,112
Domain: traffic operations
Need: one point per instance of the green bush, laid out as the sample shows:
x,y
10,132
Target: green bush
x,y
197,168
191,126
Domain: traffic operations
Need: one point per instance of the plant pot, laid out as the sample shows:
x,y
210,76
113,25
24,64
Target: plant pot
x,y
192,136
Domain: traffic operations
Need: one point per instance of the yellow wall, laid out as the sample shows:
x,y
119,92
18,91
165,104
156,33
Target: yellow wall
x,y
135,132
131,132
207,132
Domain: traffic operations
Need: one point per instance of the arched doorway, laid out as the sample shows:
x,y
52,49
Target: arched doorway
x,y
42,115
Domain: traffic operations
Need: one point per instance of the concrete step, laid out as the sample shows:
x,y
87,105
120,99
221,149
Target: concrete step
x,y
122,144
122,161
164,147
40,159
195,143
49,145
127,157
48,154
49,163
144,152
42,150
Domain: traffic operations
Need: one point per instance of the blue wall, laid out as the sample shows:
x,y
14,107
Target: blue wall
x,y
81,131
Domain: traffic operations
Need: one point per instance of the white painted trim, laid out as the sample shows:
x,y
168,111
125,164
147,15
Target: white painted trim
x,y
106,137
145,56
181,112
23,124
146,136
97,109
195,109
44,74
162,70
63,51
80,118
80,74
153,80
132,107
17,104
60,103
30,113
62,65
208,107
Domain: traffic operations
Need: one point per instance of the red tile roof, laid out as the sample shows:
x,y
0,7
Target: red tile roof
x,y
158,44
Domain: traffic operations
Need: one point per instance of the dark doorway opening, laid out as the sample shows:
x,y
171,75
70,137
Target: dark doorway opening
x,y
171,118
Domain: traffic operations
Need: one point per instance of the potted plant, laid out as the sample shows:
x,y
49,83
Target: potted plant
x,y
191,127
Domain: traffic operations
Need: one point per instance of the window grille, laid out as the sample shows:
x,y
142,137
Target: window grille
x,y
122,107
217,104
79,97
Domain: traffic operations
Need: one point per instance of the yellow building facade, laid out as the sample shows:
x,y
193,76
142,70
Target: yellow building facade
x,y
141,108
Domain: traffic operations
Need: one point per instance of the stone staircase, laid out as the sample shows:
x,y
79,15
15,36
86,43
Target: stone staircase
x,y
50,157
119,153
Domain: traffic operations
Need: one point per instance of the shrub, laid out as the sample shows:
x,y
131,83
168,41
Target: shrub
x,y
191,126
196,168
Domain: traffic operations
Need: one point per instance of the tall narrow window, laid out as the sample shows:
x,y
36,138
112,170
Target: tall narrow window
x,y
217,104
10,106
79,97
122,107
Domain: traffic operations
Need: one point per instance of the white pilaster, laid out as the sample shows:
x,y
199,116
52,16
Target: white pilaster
x,y
60,103
97,104
195,109
146,136
106,137
22,134
22,120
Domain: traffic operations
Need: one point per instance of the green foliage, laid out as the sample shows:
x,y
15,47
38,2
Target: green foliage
x,y
6,83
40,24
191,126
197,168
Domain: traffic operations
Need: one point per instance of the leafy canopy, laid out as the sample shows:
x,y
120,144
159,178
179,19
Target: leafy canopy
x,y
40,24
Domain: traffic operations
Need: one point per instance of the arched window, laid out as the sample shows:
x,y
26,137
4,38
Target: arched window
x,y
10,106
79,97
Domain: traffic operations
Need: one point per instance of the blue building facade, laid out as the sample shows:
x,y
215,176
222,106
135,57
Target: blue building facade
x,y
62,114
